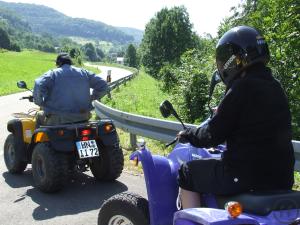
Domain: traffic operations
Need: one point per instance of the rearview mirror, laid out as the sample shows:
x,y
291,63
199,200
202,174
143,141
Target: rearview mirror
x,y
166,108
22,84
215,79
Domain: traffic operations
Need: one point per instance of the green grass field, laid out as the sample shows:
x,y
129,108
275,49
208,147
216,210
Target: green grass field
x,y
25,65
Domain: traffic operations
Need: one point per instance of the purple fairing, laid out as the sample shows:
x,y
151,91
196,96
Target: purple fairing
x,y
209,216
161,179
161,182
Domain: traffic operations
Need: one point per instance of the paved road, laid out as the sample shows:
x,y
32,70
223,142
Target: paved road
x,y
77,204
116,73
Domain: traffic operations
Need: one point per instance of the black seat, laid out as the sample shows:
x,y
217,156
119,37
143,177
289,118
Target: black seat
x,y
262,203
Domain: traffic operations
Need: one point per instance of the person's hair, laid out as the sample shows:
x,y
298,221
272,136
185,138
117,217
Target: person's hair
x,y
63,58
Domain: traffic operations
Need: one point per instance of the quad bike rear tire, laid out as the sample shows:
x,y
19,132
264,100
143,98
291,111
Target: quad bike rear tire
x,y
49,168
125,208
109,165
13,156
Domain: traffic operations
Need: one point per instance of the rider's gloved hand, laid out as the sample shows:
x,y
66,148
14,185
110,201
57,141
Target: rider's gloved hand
x,y
183,136
30,98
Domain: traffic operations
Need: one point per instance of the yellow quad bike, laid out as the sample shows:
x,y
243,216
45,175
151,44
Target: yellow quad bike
x,y
57,151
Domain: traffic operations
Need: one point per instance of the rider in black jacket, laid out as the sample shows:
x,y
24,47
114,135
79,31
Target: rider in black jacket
x,y
253,119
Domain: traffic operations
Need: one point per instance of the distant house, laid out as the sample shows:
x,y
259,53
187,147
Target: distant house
x,y
120,60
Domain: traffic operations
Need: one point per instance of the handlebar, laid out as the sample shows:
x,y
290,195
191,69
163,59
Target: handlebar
x,y
172,142
30,98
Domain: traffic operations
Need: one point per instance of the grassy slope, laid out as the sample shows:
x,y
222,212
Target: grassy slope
x,y
142,96
25,65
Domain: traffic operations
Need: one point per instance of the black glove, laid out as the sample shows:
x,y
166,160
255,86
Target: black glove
x,y
30,98
183,136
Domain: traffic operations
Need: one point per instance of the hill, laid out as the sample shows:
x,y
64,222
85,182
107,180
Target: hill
x,y
136,33
43,19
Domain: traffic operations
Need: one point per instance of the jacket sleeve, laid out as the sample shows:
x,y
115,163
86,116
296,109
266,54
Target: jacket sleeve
x,y
99,86
223,123
42,88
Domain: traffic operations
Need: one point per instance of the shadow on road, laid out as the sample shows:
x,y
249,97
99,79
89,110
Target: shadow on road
x,y
81,194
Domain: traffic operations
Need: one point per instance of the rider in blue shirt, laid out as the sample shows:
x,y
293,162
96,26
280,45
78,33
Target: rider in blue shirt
x,y
64,93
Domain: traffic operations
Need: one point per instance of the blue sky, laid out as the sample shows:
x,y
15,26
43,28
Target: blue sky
x,y
205,15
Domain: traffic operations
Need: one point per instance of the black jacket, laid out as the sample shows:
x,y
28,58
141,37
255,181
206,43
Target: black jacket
x,y
255,122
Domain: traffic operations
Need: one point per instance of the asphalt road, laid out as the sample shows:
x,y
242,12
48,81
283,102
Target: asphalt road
x,y
77,204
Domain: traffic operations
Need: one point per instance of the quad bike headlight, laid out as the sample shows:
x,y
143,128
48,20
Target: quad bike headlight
x,y
234,209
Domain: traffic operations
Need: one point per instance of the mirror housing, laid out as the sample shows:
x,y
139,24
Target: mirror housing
x,y
22,84
166,108
215,79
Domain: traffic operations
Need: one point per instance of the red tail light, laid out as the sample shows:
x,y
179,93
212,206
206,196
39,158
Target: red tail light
x,y
85,138
86,132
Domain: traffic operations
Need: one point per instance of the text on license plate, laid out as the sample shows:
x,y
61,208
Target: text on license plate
x,y
87,149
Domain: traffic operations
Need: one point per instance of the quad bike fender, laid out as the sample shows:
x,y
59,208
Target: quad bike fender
x,y
15,127
161,184
64,143
209,216
108,137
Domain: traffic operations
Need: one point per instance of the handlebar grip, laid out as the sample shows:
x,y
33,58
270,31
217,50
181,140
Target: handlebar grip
x,y
30,98
172,142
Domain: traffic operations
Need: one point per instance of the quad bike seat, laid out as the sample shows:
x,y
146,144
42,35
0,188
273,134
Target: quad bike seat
x,y
262,203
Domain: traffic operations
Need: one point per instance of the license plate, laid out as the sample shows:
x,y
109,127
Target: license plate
x,y
87,149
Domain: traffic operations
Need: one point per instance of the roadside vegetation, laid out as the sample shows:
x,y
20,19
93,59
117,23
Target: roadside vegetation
x,y
26,65
140,96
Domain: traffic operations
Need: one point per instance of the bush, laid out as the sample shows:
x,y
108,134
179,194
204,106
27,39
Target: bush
x,y
188,84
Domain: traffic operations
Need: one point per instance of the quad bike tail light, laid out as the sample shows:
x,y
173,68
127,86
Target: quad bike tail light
x,y
234,209
41,137
86,132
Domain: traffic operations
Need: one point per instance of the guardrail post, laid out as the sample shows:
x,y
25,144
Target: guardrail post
x,y
133,141
108,77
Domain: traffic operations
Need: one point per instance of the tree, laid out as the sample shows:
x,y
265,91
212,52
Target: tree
x,y
130,56
100,53
279,23
90,51
167,36
4,39
187,82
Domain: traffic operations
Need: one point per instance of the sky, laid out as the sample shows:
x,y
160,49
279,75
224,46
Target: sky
x,y
205,15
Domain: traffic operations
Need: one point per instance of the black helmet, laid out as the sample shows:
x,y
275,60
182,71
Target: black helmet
x,y
239,48
63,58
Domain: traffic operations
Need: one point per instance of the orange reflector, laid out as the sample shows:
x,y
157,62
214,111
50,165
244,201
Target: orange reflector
x,y
135,161
41,137
108,128
234,209
61,132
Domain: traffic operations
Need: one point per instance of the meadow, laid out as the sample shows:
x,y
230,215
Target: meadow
x,y
26,65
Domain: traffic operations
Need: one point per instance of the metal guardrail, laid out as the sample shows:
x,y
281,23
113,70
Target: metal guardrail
x,y
157,129
118,82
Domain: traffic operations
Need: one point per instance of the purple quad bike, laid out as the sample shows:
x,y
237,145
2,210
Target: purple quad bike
x,y
280,207
273,208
